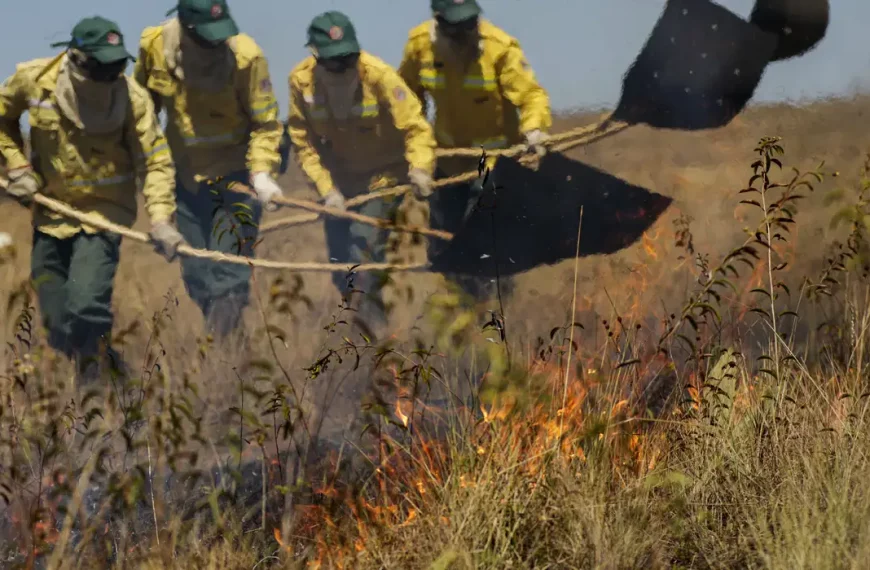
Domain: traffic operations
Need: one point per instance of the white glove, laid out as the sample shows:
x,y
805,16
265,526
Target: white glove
x,y
421,181
535,140
166,239
267,190
5,241
23,184
334,200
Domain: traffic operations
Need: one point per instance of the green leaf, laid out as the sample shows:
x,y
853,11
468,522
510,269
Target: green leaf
x,y
707,308
762,291
760,311
688,341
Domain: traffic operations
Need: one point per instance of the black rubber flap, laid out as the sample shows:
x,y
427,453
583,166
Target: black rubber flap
x,y
698,69
799,24
531,218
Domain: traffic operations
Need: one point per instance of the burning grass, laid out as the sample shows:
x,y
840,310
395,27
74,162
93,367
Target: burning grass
x,y
731,430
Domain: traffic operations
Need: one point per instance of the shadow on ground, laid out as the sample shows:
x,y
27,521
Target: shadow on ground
x,y
531,218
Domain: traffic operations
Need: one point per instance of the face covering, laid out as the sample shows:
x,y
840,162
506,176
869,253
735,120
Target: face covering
x,y
196,62
102,72
340,78
458,41
92,95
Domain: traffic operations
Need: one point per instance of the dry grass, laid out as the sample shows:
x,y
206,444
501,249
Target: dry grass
x,y
465,455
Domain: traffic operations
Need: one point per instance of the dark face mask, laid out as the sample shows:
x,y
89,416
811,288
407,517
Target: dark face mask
x,y
101,72
190,32
458,31
339,64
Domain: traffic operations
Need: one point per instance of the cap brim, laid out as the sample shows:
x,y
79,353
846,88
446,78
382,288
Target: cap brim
x,y
338,49
217,31
460,12
110,54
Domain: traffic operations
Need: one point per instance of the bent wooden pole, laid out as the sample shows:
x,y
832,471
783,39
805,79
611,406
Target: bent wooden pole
x,y
348,215
217,256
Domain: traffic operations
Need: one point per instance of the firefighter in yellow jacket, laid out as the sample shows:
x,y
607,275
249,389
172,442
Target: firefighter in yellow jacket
x,y
93,132
223,129
355,127
484,93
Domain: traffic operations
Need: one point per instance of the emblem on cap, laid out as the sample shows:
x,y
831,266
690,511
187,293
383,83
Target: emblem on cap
x,y
335,33
113,38
216,11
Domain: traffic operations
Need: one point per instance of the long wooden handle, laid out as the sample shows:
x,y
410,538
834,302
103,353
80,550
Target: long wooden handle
x,y
348,215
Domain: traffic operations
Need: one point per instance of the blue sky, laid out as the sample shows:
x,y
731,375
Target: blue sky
x,y
579,48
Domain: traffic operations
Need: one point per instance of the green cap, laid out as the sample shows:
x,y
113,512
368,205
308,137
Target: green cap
x,y
455,11
331,34
210,19
98,38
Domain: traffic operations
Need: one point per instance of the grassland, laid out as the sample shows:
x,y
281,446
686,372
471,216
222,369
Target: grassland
x,y
676,428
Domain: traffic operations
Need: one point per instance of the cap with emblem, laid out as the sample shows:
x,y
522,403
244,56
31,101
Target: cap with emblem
x,y
210,19
331,34
455,11
98,38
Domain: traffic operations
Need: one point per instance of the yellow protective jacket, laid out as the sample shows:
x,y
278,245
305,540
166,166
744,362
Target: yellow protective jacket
x,y
491,103
386,129
215,134
96,174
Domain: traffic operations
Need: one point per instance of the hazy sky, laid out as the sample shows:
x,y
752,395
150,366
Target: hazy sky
x,y
579,48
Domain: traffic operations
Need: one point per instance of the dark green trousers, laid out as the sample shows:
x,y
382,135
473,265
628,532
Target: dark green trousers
x,y
352,242
74,280
228,223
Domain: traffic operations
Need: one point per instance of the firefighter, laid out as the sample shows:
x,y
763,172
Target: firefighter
x,y
213,82
484,93
93,132
6,241
355,127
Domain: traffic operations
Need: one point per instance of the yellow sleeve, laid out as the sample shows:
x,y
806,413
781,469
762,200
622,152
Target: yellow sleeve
x,y
262,108
13,104
409,71
522,89
149,146
407,113
142,69
302,145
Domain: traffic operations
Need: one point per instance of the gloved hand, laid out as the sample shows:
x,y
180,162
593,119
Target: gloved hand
x,y
5,241
334,200
535,141
267,190
422,182
166,239
23,184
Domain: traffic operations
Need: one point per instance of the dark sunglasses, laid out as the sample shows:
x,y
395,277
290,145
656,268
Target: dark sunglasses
x,y
340,63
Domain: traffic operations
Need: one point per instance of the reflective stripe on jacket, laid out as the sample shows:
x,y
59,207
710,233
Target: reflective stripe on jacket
x,y
96,174
490,103
386,126
215,134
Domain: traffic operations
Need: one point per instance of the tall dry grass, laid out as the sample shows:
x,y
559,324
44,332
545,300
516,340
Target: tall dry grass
x,y
731,433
